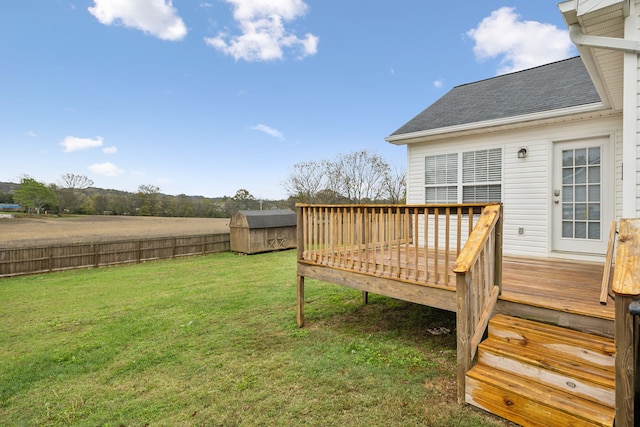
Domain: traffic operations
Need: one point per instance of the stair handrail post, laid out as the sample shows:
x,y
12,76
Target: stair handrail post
x,y
626,287
468,285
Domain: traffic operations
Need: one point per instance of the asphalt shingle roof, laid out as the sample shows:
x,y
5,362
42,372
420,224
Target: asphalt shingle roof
x,y
548,87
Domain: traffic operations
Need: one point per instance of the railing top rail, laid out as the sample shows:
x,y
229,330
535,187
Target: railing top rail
x,y
381,205
626,276
477,239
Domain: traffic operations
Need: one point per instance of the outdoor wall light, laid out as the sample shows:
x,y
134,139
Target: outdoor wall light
x,y
522,153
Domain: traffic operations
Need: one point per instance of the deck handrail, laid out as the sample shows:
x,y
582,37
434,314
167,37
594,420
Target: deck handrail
x,y
478,271
626,287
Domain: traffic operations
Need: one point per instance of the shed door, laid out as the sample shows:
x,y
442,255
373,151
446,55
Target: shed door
x,y
582,199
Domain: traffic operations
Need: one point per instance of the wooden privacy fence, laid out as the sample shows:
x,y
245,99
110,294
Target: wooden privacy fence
x,y
41,259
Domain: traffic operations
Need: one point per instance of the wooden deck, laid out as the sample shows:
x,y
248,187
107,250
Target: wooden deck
x,y
556,291
451,257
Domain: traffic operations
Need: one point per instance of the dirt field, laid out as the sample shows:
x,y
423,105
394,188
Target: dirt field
x,y
20,232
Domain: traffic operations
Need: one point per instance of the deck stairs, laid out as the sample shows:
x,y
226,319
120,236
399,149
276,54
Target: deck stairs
x,y
535,374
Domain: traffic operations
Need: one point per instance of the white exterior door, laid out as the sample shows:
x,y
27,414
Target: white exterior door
x,y
582,196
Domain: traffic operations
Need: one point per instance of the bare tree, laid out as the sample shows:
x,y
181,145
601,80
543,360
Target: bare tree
x,y
358,177
148,200
395,185
70,191
76,182
306,181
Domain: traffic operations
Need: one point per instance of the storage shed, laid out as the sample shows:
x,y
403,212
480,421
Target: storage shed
x,y
263,231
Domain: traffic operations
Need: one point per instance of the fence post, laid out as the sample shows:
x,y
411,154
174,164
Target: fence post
x,y
139,251
96,255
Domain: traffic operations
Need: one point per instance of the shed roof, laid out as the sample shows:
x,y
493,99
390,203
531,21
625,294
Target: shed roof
x,y
265,219
558,85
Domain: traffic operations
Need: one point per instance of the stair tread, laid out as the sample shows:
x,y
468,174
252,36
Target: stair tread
x,y
555,362
579,346
517,398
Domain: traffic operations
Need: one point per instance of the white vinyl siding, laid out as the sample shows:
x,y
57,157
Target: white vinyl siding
x,y
526,183
473,176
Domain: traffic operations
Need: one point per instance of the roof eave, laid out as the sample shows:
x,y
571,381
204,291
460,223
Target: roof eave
x,y
573,15
482,127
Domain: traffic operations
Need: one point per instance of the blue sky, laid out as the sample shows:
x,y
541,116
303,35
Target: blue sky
x,y
204,97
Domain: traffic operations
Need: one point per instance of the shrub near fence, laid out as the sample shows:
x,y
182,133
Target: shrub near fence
x,y
41,259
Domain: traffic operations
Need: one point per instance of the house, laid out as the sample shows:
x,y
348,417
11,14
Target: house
x,y
542,141
557,146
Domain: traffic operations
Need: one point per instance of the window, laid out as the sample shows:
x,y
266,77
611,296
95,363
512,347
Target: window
x,y
441,178
480,179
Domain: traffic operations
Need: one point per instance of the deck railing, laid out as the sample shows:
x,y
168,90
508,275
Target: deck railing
x,y
418,243
626,287
449,246
478,271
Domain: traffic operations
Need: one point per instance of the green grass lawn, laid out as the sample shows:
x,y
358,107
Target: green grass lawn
x,y
212,341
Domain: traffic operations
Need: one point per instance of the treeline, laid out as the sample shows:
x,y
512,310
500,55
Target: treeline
x,y
75,194
357,177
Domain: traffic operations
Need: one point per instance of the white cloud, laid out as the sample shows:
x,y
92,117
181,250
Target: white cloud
x,y
31,133
263,35
72,143
106,169
269,131
110,150
438,83
521,44
156,17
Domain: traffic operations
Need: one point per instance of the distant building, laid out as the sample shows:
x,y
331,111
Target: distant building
x,y
9,207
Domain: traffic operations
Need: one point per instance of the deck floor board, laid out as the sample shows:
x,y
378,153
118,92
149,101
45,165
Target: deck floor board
x,y
565,285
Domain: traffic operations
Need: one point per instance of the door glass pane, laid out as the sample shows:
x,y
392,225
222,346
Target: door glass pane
x,y
594,230
581,193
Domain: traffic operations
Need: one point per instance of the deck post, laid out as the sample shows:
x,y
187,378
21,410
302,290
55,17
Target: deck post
x,y
625,362
365,297
463,331
300,254
497,271
626,286
300,301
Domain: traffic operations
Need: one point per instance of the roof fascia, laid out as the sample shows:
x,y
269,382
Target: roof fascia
x,y
481,127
